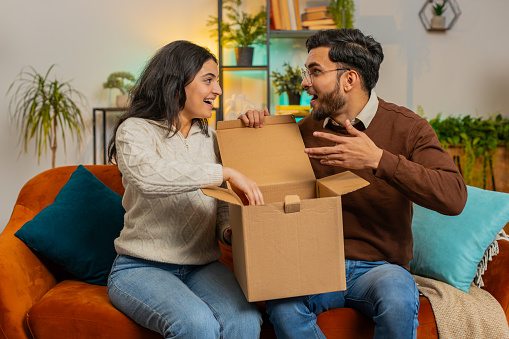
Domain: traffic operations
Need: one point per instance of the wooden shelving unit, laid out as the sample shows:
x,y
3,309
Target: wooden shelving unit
x,y
271,34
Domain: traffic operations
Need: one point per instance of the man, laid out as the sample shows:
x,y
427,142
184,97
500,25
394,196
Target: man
x,y
398,153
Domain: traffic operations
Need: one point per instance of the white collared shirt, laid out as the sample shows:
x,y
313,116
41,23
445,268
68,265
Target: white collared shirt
x,y
365,115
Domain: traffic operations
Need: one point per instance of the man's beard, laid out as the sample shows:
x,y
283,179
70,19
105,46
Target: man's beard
x,y
328,104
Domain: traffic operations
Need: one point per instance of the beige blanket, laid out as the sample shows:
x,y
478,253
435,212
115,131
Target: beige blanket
x,y
464,315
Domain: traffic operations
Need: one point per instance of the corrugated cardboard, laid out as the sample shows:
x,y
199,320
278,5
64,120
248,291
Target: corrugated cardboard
x,y
292,245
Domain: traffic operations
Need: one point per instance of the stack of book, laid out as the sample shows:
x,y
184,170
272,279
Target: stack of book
x,y
297,110
318,17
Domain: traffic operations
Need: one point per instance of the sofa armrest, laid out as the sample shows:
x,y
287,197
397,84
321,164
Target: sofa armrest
x,y
24,279
496,277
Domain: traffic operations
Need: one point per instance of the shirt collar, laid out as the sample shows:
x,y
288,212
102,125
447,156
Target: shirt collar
x,y
366,114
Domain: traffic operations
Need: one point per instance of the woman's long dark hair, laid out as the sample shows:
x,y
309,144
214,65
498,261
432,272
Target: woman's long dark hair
x,y
159,94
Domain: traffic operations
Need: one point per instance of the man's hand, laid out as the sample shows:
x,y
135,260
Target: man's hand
x,y
357,151
254,118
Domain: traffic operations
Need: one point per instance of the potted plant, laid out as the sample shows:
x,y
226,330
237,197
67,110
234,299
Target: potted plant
x,y
289,82
242,31
474,144
342,13
438,20
123,81
45,108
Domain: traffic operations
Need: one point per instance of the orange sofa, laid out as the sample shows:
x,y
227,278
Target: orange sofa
x,y
39,300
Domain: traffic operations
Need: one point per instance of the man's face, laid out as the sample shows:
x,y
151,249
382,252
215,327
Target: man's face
x,y
327,97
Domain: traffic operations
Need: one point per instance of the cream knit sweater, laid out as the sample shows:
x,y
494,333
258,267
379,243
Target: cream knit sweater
x,y
168,218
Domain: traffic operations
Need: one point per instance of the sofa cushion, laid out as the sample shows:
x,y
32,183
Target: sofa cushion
x,y
76,309
350,323
449,248
78,229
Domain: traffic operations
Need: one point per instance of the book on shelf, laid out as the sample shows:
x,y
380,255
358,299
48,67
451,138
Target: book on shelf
x,y
320,27
316,15
297,110
293,18
297,14
320,22
285,14
293,107
275,16
272,26
316,9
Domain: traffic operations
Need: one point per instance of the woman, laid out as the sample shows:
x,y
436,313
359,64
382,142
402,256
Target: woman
x,y
166,276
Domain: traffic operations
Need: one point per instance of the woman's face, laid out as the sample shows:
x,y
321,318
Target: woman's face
x,y
201,93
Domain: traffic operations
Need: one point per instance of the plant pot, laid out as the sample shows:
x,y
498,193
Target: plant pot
x,y
122,100
438,22
244,56
293,98
476,176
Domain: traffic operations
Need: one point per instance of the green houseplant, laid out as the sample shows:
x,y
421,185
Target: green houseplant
x,y
123,81
42,108
289,82
477,139
438,20
438,9
342,13
242,30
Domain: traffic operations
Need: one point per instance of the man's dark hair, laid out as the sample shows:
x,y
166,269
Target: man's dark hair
x,y
351,48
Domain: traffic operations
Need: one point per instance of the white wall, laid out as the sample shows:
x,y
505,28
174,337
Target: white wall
x,y
87,40
462,71
457,72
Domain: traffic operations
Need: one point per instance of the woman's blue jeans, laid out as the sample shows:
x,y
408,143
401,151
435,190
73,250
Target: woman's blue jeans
x,y
382,291
183,301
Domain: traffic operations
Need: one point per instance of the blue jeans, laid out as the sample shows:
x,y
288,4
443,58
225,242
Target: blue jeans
x,y
183,301
382,291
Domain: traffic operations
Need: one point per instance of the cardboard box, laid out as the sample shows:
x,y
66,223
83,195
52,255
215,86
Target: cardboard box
x,y
292,245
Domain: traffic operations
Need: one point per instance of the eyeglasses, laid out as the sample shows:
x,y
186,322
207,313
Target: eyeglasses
x,y
308,76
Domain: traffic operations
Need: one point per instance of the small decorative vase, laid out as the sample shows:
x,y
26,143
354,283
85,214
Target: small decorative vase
x,y
438,22
293,98
244,56
122,100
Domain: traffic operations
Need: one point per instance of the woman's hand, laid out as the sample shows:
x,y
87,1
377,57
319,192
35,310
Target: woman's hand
x,y
244,187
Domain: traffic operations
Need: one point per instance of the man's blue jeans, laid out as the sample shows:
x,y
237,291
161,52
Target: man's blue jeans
x,y
382,291
183,301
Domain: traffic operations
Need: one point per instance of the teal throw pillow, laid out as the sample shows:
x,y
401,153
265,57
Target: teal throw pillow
x,y
77,230
449,248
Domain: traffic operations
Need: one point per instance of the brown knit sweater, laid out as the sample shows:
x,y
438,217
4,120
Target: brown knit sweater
x,y
414,168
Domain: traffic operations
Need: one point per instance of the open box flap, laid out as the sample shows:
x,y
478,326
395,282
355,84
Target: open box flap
x,y
269,155
344,182
222,194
